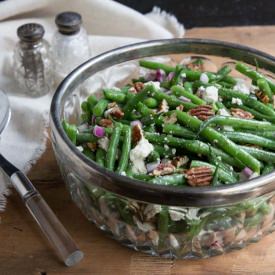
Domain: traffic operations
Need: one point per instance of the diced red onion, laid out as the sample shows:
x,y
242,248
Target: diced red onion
x,y
246,173
170,76
160,75
99,131
136,122
152,166
184,99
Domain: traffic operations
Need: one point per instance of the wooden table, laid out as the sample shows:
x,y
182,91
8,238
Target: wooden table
x,y
24,251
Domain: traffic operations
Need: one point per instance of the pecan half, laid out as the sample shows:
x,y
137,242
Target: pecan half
x,y
163,107
236,112
202,112
138,86
92,145
262,97
199,176
137,133
105,122
164,169
179,161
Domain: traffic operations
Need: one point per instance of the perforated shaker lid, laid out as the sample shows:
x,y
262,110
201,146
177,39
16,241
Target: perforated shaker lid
x,y
68,22
31,32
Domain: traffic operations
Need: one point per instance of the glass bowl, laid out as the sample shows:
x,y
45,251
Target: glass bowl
x,y
183,222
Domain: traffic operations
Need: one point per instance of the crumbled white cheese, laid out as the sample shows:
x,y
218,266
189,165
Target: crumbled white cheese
x,y
103,143
211,94
174,151
80,148
156,84
183,75
166,147
139,153
204,78
223,112
123,173
242,87
237,101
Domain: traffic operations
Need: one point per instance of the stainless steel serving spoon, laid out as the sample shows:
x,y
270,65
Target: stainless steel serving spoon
x,y
52,228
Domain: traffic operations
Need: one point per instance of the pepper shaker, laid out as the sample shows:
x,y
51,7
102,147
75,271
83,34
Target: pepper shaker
x,y
70,44
33,61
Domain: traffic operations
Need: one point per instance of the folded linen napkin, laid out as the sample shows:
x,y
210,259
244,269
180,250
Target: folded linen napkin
x,y
109,25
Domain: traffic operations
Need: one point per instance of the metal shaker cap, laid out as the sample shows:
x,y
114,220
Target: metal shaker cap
x,y
68,22
31,32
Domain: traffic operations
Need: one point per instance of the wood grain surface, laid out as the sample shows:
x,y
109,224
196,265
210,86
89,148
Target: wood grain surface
x,y
24,251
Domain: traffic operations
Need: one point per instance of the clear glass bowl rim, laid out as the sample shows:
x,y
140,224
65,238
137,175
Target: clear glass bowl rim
x,y
139,190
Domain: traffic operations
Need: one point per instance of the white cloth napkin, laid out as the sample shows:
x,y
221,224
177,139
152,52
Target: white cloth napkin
x,y
109,25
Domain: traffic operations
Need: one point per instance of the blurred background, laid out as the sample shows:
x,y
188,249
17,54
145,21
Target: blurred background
x,y
203,13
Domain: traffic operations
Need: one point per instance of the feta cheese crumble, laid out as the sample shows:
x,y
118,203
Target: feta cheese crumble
x,y
242,87
211,94
237,101
156,84
139,153
103,143
204,78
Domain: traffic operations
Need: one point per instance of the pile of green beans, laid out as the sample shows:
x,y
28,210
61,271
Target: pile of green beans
x,y
160,112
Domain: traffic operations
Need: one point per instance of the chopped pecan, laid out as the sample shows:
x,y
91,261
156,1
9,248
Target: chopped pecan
x,y
163,107
111,105
236,112
138,86
180,108
179,161
105,122
262,97
92,145
137,133
199,176
132,90
114,110
202,112
170,119
164,169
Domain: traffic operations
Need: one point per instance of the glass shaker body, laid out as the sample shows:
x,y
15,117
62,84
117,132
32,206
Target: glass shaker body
x,y
33,67
69,51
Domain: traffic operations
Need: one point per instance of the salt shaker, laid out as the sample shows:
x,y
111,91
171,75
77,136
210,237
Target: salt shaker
x,y
70,44
32,61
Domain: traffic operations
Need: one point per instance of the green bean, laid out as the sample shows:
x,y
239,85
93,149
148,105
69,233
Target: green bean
x,y
222,174
254,75
265,134
143,109
124,158
268,168
114,95
112,148
151,102
248,138
150,128
88,153
84,138
155,65
173,101
260,154
100,157
71,131
143,177
215,179
177,130
223,142
264,87
188,86
171,180
223,71
92,101
239,123
247,100
194,146
179,91
164,151
100,107
85,107
163,221
176,79
154,156
133,101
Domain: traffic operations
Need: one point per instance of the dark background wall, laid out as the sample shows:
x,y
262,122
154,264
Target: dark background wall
x,y
194,13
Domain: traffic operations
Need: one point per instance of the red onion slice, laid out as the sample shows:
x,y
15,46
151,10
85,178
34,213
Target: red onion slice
x,y
152,166
160,75
246,173
99,131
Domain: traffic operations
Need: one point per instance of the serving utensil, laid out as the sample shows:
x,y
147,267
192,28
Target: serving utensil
x,y
57,235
